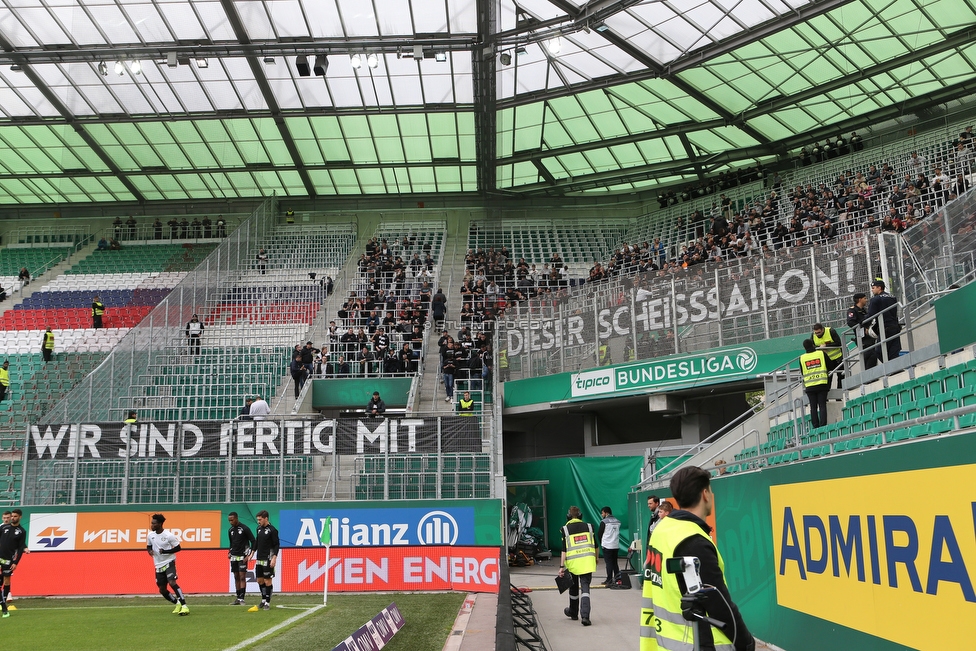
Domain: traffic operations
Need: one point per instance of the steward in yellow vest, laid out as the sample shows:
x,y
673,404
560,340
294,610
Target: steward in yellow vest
x,y
579,559
4,379
685,533
47,345
826,339
466,405
98,309
813,365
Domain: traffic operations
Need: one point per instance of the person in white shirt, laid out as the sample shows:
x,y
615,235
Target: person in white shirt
x,y
259,408
162,545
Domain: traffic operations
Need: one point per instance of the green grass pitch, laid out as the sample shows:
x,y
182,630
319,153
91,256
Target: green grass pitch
x,y
136,624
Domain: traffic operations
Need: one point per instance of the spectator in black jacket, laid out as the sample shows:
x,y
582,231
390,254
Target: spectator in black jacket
x,y
376,406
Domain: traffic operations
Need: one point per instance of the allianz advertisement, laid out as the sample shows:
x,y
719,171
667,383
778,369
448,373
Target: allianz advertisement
x,y
706,367
379,527
892,555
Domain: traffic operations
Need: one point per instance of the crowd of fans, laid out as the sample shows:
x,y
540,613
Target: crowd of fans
x,y
873,198
380,326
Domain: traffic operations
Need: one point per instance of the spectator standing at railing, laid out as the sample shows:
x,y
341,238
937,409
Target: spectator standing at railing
x,y
184,228
174,226
259,408
131,225
207,226
221,226
376,406
855,319
157,229
308,354
857,142
117,228
448,370
194,334
24,277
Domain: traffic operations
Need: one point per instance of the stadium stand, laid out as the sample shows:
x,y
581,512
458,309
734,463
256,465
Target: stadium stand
x,y
397,276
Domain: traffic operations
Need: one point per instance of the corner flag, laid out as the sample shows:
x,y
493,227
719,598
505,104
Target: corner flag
x,y
326,537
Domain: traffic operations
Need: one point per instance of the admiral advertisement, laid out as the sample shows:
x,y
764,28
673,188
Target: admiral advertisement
x,y
892,555
268,438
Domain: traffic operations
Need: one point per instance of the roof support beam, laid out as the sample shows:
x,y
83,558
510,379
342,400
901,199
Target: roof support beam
x,y
269,97
751,35
250,167
69,119
959,38
485,97
236,114
245,48
688,89
668,168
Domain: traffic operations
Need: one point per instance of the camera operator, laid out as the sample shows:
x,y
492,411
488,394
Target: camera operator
x,y
685,533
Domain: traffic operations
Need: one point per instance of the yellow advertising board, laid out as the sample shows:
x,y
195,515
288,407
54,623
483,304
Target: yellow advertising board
x,y
892,555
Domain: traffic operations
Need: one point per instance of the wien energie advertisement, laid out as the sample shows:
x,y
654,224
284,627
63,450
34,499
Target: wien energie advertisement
x,y
447,546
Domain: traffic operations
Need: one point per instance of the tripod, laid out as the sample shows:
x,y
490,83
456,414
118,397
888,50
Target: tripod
x,y
693,610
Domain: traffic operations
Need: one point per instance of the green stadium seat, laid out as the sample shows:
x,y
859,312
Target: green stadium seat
x,y
901,434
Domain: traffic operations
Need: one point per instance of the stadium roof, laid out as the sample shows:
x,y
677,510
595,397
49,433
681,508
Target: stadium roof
x,y
144,100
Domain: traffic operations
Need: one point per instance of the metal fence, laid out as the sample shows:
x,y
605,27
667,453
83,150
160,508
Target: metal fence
x,y
106,392
933,255
701,307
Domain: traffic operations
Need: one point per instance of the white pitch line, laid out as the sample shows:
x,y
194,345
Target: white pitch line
x,y
257,638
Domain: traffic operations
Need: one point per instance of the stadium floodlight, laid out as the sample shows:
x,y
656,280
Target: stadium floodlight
x,y
102,69
136,67
356,61
505,58
440,57
119,68
554,45
321,65
301,64
372,60
202,62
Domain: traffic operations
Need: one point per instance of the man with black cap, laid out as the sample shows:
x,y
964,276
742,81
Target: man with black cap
x,y
879,304
855,319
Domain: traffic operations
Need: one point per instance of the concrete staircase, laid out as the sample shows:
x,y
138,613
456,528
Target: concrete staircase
x,y
328,483
431,393
285,401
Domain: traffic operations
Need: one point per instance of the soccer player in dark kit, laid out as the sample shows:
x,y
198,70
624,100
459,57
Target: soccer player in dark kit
x,y
267,556
240,546
12,548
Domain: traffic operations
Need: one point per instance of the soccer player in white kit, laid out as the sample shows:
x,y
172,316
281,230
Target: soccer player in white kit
x,y
162,545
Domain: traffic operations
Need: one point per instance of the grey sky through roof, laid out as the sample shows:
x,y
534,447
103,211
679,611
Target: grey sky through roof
x,y
109,100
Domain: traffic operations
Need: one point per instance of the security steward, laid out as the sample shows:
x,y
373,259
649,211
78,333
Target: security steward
x,y
98,309
466,405
826,339
855,319
4,379
813,365
880,306
685,533
47,345
579,559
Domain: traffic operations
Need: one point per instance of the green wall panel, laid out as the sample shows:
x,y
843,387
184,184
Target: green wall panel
x,y
356,392
748,544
